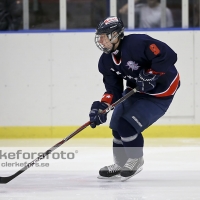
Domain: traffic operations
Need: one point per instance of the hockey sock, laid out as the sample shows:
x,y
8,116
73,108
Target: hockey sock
x,y
133,142
119,153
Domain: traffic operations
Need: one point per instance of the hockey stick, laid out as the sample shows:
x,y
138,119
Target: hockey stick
x,y
4,180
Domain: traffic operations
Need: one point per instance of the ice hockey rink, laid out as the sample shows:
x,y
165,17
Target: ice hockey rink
x,y
48,82
171,172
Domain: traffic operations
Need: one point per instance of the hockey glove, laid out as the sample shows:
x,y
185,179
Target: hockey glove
x,y
146,81
96,118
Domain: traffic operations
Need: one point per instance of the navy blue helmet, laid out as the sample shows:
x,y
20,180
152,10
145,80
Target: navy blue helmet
x,y
109,26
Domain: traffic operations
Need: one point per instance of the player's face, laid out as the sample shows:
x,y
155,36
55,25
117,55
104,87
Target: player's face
x,y
104,41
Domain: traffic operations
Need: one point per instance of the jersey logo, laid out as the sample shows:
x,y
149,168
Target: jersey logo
x,y
154,49
110,20
132,65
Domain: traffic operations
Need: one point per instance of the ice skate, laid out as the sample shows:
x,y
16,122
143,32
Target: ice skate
x,y
131,168
111,172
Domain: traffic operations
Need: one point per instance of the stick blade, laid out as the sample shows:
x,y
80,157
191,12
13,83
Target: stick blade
x,y
4,180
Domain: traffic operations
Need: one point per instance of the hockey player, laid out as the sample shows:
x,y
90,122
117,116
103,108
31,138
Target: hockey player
x,y
146,64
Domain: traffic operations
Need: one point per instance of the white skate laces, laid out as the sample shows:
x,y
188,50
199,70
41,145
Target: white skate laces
x,y
113,168
131,168
130,164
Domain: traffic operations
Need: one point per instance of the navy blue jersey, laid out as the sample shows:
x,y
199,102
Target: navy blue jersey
x,y
135,53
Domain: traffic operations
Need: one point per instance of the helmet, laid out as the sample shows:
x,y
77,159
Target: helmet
x,y
108,26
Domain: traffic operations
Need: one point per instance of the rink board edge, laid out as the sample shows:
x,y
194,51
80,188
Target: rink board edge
x,y
99,132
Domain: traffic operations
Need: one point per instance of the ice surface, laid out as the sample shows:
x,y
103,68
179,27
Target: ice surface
x,y
171,172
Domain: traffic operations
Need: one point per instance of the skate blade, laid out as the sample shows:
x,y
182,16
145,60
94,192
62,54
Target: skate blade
x,y
126,178
113,178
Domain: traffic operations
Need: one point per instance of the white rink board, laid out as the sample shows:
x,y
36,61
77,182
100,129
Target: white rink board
x,y
25,79
196,78
75,77
52,78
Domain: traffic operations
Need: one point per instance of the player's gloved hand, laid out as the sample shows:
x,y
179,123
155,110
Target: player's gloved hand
x,y
96,118
146,81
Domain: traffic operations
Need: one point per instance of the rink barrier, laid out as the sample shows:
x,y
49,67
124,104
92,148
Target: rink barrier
x,y
161,131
